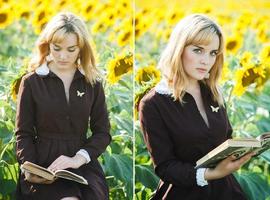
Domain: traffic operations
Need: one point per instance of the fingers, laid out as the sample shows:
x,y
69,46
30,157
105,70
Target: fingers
x,y
228,165
62,162
229,159
243,159
48,182
34,178
246,158
55,165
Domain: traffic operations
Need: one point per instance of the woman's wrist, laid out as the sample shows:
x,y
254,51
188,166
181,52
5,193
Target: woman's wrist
x,y
79,160
209,174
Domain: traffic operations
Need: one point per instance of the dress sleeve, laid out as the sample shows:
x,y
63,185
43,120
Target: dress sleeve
x,y
24,127
167,166
99,125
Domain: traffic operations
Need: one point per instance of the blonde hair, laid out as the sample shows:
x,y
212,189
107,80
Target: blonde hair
x,y
195,29
55,31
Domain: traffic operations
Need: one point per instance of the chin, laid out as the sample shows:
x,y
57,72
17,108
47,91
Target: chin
x,y
65,66
62,67
198,78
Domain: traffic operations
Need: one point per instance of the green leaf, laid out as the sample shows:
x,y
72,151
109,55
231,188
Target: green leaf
x,y
254,185
146,176
119,166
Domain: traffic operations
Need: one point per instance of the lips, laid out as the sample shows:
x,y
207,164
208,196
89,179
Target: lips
x,y
62,62
201,70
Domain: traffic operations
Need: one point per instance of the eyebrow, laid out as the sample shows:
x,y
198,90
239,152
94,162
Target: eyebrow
x,y
203,48
67,47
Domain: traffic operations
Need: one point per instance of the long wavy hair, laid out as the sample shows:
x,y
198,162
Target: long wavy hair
x,y
55,31
196,29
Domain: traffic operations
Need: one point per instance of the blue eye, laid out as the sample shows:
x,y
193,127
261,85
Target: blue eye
x,y
197,51
214,53
56,49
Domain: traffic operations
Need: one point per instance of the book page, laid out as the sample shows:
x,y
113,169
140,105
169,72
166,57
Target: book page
x,y
238,152
265,146
70,176
38,170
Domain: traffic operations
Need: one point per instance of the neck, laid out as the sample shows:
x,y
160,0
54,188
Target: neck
x,y
193,86
62,71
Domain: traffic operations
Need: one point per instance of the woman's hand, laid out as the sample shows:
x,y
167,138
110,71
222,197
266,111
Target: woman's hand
x,y
36,179
64,162
226,167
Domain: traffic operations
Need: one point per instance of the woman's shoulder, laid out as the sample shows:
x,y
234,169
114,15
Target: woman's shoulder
x,y
149,97
96,85
29,77
153,98
160,92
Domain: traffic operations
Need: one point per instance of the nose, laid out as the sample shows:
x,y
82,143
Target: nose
x,y
205,60
62,56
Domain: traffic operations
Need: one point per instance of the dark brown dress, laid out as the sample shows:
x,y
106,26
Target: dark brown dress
x,y
176,137
47,126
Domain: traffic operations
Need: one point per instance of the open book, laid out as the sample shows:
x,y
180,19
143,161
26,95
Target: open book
x,y
236,147
49,175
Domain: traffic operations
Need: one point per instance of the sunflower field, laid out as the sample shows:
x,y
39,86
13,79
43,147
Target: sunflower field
x,y
110,24
245,79
127,31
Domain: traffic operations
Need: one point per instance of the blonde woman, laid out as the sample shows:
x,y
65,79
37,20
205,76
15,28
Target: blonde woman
x,y
56,102
183,117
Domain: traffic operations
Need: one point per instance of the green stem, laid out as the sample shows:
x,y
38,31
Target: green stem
x,y
230,97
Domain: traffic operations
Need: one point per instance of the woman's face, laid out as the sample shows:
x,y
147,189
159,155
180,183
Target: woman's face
x,y
65,54
198,60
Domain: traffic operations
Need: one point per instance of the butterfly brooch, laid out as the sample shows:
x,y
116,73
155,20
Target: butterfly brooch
x,y
214,109
80,94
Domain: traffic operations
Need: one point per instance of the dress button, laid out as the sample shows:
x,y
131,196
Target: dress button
x,y
67,117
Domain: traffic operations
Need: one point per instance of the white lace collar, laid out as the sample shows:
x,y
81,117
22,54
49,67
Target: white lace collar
x,y
43,70
163,88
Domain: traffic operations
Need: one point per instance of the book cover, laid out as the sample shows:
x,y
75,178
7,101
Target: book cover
x,y
49,175
236,147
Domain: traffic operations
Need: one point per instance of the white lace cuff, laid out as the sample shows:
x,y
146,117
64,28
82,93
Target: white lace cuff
x,y
85,154
200,177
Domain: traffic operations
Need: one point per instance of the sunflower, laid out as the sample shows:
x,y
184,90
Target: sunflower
x,y
22,10
262,79
265,54
225,74
143,89
206,8
142,23
173,17
124,37
122,8
224,19
87,9
159,15
242,23
243,78
118,67
99,27
250,73
233,44
258,21
262,32
109,17
6,16
245,58
17,81
145,74
41,16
